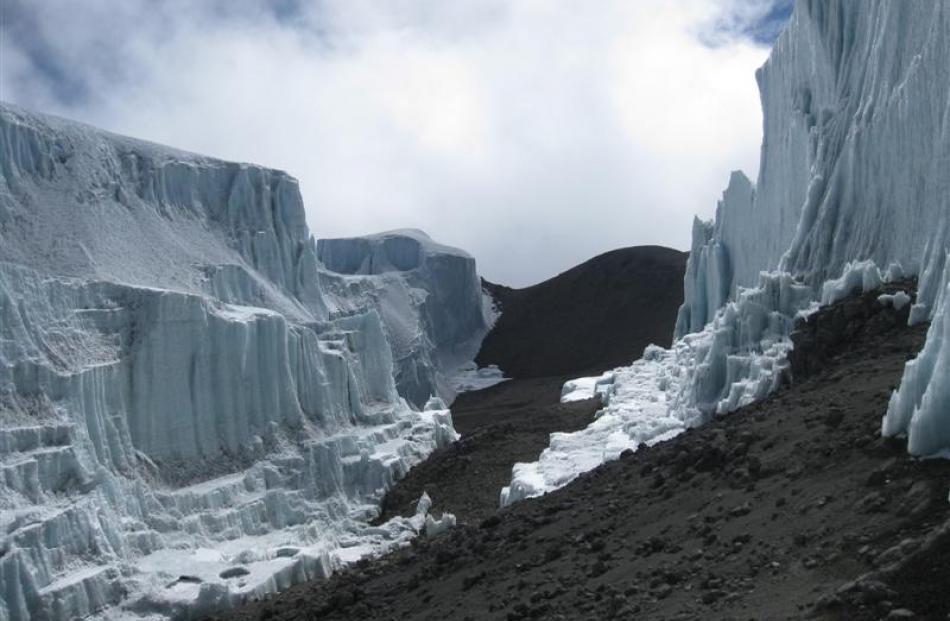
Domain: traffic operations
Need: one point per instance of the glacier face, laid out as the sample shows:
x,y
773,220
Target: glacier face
x,y
853,185
853,189
853,168
710,280
187,418
855,105
860,93
428,295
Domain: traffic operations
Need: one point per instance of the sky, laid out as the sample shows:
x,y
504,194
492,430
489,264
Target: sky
x,y
534,134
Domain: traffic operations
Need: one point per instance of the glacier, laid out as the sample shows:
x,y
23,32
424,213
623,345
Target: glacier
x,y
194,409
853,190
429,297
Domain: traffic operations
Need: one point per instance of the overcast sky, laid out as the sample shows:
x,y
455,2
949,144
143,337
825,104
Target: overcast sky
x,y
533,133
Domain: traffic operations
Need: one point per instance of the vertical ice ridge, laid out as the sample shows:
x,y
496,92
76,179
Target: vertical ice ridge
x,y
855,100
428,296
710,275
173,390
870,86
853,189
918,408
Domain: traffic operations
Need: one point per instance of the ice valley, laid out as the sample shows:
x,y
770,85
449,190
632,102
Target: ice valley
x,y
199,403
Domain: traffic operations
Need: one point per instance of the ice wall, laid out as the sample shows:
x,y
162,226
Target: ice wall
x,y
429,297
920,407
856,100
710,279
183,422
853,189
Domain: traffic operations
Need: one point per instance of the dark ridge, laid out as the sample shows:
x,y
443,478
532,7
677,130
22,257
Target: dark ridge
x,y
591,318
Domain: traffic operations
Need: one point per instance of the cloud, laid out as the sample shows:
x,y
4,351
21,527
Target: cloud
x,y
534,134
759,20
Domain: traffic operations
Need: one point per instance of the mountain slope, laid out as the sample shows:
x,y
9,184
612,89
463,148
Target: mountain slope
x,y
595,316
577,321
790,508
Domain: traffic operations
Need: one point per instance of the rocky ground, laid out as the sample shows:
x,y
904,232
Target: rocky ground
x,y
591,318
501,425
794,507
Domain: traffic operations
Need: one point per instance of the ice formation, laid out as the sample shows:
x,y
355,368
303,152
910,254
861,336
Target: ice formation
x,y
429,297
586,388
710,279
853,190
736,359
190,415
896,300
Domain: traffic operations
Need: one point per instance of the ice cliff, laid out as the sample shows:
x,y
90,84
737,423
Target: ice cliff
x,y
190,414
854,156
853,189
428,295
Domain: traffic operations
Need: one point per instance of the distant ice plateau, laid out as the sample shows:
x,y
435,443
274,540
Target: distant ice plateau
x,y
198,402
853,190
430,300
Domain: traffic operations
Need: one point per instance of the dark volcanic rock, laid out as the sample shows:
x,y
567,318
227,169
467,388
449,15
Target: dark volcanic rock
x,y
837,328
593,317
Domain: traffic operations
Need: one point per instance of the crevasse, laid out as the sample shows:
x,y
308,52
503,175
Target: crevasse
x,y
853,189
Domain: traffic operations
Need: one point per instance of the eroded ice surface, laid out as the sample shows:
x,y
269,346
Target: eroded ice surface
x,y
429,297
853,190
187,417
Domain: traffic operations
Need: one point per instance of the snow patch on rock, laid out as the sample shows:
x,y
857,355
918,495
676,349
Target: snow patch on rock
x,y
897,300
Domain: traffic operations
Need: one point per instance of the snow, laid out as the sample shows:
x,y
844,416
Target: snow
x,y
584,388
185,389
852,181
636,411
897,300
435,527
857,277
470,377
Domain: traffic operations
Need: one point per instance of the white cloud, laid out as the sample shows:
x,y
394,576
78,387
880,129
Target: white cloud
x,y
534,134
